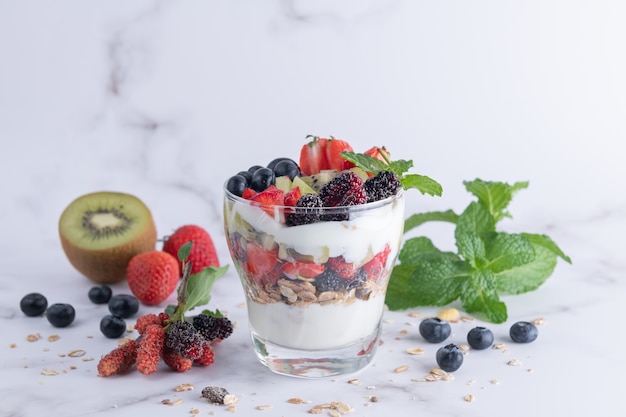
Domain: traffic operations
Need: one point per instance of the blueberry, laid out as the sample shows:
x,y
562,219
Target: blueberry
x,y
275,161
33,304
100,294
60,314
480,338
449,357
435,330
254,168
287,167
262,178
247,175
112,326
123,305
237,184
523,332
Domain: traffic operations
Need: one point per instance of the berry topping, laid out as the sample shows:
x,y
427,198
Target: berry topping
x,y
212,327
449,357
100,294
345,270
435,330
329,281
269,198
523,332
383,185
345,189
292,197
175,361
112,326
313,156
33,304
60,315
480,338
301,270
123,305
307,211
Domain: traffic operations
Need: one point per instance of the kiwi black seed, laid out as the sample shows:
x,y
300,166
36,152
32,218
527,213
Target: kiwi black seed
x,y
100,233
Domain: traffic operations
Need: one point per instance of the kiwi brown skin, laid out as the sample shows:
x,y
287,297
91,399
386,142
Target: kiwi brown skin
x,y
108,265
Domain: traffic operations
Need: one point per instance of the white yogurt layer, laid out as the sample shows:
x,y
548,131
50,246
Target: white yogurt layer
x,y
315,326
364,235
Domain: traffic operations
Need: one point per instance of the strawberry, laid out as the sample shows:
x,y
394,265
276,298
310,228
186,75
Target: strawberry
x,y
345,270
334,147
203,252
259,260
292,197
269,198
153,276
379,152
304,270
248,193
313,156
374,268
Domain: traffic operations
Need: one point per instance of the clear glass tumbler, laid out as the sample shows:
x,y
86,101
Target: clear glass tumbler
x,y
315,292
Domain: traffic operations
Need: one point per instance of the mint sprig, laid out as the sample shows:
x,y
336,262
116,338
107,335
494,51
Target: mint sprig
x,y
194,290
489,262
372,165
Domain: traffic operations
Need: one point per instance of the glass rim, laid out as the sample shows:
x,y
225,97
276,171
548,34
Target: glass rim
x,y
343,209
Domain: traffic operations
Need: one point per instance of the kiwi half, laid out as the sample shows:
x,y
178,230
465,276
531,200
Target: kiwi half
x,y
100,233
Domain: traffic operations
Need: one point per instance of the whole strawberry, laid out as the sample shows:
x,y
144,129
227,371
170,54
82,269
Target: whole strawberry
x,y
203,252
153,276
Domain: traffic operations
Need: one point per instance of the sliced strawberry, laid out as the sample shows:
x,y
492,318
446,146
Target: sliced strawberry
x,y
269,198
378,152
305,270
248,193
345,270
260,261
313,156
292,197
375,267
334,147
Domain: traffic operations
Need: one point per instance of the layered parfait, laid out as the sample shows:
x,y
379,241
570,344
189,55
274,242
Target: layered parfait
x,y
314,243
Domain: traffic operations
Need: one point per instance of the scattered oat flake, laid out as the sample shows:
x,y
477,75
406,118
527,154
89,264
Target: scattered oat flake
x,y
538,321
468,319
449,314
49,372
33,337
402,368
343,408
469,398
374,399
87,359
494,381
264,407
404,332
334,413
464,347
53,337
194,411
183,387
13,345
354,381
499,346
514,362
414,314
73,367
415,351
76,353
297,400
167,401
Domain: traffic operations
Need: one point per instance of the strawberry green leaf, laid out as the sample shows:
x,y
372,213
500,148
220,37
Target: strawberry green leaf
x,y
479,295
418,219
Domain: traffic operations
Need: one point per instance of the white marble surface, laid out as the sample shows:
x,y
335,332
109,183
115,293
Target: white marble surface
x,y
166,99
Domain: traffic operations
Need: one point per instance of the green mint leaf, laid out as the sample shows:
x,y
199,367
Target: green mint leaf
x,y
529,276
422,183
472,248
507,251
479,295
494,196
200,284
548,243
216,313
473,227
418,219
372,165
418,249
184,251
435,281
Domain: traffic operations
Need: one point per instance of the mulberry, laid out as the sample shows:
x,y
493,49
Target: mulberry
x,y
208,356
345,189
184,339
150,349
119,359
213,328
306,211
175,361
383,185
328,281
145,321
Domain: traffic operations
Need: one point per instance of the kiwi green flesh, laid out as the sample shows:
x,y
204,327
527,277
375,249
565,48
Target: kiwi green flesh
x,y
104,220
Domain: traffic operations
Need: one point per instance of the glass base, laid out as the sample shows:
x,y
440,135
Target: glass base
x,y
316,363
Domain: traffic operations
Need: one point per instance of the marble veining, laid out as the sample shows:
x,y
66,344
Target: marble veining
x,y
166,99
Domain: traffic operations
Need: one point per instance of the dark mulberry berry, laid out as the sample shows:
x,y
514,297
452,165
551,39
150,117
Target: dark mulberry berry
x,y
329,281
345,189
383,185
212,327
306,211
184,339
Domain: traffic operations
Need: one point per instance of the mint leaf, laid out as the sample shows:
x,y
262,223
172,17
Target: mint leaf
x,y
418,249
507,251
418,219
199,286
529,276
473,227
184,251
479,295
372,165
546,242
494,196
